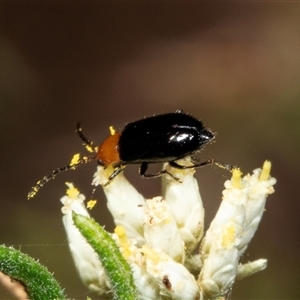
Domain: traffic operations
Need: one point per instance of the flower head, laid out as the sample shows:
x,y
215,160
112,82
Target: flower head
x,y
163,238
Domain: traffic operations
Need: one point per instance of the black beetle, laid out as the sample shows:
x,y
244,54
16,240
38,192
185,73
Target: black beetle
x,y
158,139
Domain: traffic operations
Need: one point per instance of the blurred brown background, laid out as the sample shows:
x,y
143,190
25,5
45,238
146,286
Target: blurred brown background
x,y
234,65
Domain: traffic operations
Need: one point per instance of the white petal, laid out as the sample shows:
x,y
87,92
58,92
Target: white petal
x,y
160,229
185,203
218,273
124,202
147,287
255,204
86,260
230,212
250,268
174,280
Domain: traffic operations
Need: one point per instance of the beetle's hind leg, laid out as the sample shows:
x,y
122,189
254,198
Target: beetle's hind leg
x,y
203,164
143,170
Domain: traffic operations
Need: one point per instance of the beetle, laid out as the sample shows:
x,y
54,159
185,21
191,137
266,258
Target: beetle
x,y
157,139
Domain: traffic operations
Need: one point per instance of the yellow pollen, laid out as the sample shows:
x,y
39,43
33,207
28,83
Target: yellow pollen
x,y
91,203
75,159
265,172
154,256
121,233
89,148
72,192
228,236
236,178
112,130
149,253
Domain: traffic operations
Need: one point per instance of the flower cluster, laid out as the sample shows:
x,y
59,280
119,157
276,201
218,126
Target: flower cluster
x,y
163,238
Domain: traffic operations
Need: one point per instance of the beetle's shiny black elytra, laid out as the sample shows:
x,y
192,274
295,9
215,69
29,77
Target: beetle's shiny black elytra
x,y
162,138
157,139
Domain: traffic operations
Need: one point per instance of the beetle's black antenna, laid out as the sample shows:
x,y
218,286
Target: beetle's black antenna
x,y
45,179
86,142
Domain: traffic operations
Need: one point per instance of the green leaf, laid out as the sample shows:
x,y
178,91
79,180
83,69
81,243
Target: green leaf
x,y
38,282
117,268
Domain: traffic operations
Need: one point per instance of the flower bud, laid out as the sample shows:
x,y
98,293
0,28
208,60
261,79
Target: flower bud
x,y
185,203
160,229
86,260
124,202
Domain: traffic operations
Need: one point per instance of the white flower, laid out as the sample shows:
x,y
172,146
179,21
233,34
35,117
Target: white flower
x,y
124,202
160,229
157,236
86,261
146,285
174,280
260,188
220,266
185,203
232,229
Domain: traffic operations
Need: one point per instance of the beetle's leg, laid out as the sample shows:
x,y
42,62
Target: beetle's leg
x,y
117,170
143,174
143,170
205,163
221,165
